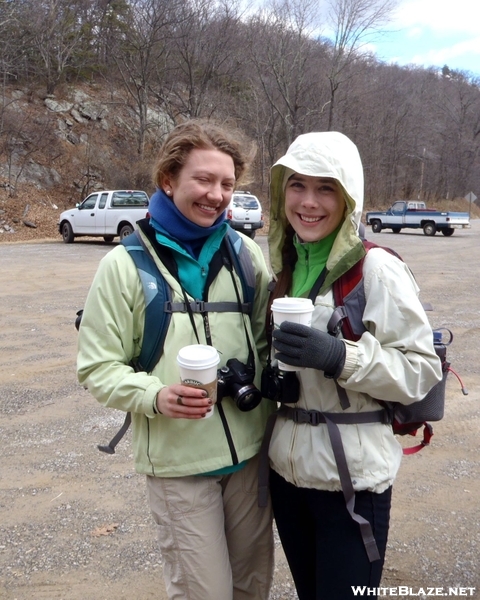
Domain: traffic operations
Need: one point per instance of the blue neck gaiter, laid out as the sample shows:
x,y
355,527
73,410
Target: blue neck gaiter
x,y
167,219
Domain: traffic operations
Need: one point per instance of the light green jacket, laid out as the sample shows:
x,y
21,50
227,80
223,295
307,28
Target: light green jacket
x,y
394,359
111,335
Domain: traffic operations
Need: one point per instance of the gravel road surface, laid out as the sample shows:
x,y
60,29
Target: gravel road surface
x,y
74,523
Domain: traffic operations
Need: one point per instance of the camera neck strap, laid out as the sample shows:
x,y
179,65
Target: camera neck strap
x,y
222,258
166,256
227,262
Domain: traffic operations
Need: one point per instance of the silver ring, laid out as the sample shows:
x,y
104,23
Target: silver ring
x,y
180,400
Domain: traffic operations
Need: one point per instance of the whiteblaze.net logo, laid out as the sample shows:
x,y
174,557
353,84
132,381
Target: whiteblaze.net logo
x,y
403,590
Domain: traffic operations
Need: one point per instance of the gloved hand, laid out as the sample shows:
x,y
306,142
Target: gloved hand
x,y
303,346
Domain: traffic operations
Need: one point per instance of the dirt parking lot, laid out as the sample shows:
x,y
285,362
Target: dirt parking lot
x,y
74,523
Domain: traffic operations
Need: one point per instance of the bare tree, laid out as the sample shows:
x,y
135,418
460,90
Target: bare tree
x,y
9,52
23,138
142,56
111,19
354,23
394,129
458,109
288,65
53,32
269,69
203,56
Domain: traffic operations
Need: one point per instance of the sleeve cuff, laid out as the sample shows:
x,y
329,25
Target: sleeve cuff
x,y
351,359
150,400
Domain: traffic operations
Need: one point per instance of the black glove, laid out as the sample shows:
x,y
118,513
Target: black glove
x,y
303,346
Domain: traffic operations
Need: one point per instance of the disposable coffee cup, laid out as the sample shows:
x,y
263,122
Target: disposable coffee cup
x,y
295,310
198,368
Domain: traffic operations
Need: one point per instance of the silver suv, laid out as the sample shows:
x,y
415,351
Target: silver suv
x,y
245,213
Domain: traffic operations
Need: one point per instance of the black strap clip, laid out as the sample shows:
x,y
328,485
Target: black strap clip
x,y
311,417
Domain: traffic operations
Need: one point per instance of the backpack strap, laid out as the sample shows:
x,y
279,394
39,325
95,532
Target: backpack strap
x,y
332,420
157,296
110,449
243,265
240,258
348,291
349,299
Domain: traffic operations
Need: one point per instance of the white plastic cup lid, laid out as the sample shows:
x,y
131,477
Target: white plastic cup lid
x,y
198,357
292,305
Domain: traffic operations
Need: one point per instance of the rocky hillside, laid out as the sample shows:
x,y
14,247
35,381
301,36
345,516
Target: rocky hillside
x,y
56,150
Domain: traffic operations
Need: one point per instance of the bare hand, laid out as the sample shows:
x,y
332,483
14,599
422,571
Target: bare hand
x,y
183,402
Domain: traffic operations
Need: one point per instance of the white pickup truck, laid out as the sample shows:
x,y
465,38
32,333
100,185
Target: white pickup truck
x,y
415,215
104,214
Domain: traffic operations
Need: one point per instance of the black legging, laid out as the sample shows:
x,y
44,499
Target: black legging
x,y
323,544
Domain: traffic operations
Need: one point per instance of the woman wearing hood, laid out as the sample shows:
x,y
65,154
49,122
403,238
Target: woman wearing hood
x,y
333,540
201,467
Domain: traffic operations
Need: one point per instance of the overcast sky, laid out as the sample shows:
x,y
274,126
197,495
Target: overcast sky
x,y
432,33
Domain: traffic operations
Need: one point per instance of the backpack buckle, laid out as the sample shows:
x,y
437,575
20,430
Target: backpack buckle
x,y
171,307
334,325
315,417
199,306
311,417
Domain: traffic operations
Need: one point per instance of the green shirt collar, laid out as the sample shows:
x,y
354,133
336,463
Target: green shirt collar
x,y
312,258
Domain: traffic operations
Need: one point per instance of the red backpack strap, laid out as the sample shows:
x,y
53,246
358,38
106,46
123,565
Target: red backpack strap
x,y
342,287
427,436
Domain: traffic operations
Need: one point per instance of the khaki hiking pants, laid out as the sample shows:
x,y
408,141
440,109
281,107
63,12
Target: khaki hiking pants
x,y
216,543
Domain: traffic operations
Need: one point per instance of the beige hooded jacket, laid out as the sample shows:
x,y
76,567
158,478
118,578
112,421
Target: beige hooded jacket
x,y
394,360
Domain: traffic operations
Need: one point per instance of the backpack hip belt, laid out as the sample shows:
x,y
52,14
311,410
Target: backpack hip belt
x,y
315,417
332,420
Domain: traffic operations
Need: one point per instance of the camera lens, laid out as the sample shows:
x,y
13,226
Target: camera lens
x,y
246,397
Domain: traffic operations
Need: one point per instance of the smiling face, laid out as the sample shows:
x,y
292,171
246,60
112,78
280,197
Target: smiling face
x,y
314,206
204,186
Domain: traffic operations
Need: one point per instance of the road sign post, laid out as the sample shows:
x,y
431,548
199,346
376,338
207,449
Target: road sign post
x,y
471,198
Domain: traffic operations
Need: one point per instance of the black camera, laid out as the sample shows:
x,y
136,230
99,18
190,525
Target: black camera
x,y
280,386
236,380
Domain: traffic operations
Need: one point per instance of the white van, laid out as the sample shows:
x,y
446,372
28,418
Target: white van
x,y
244,213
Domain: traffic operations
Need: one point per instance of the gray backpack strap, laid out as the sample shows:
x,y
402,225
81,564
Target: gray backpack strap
x,y
315,417
199,306
332,420
264,462
352,309
342,396
348,491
